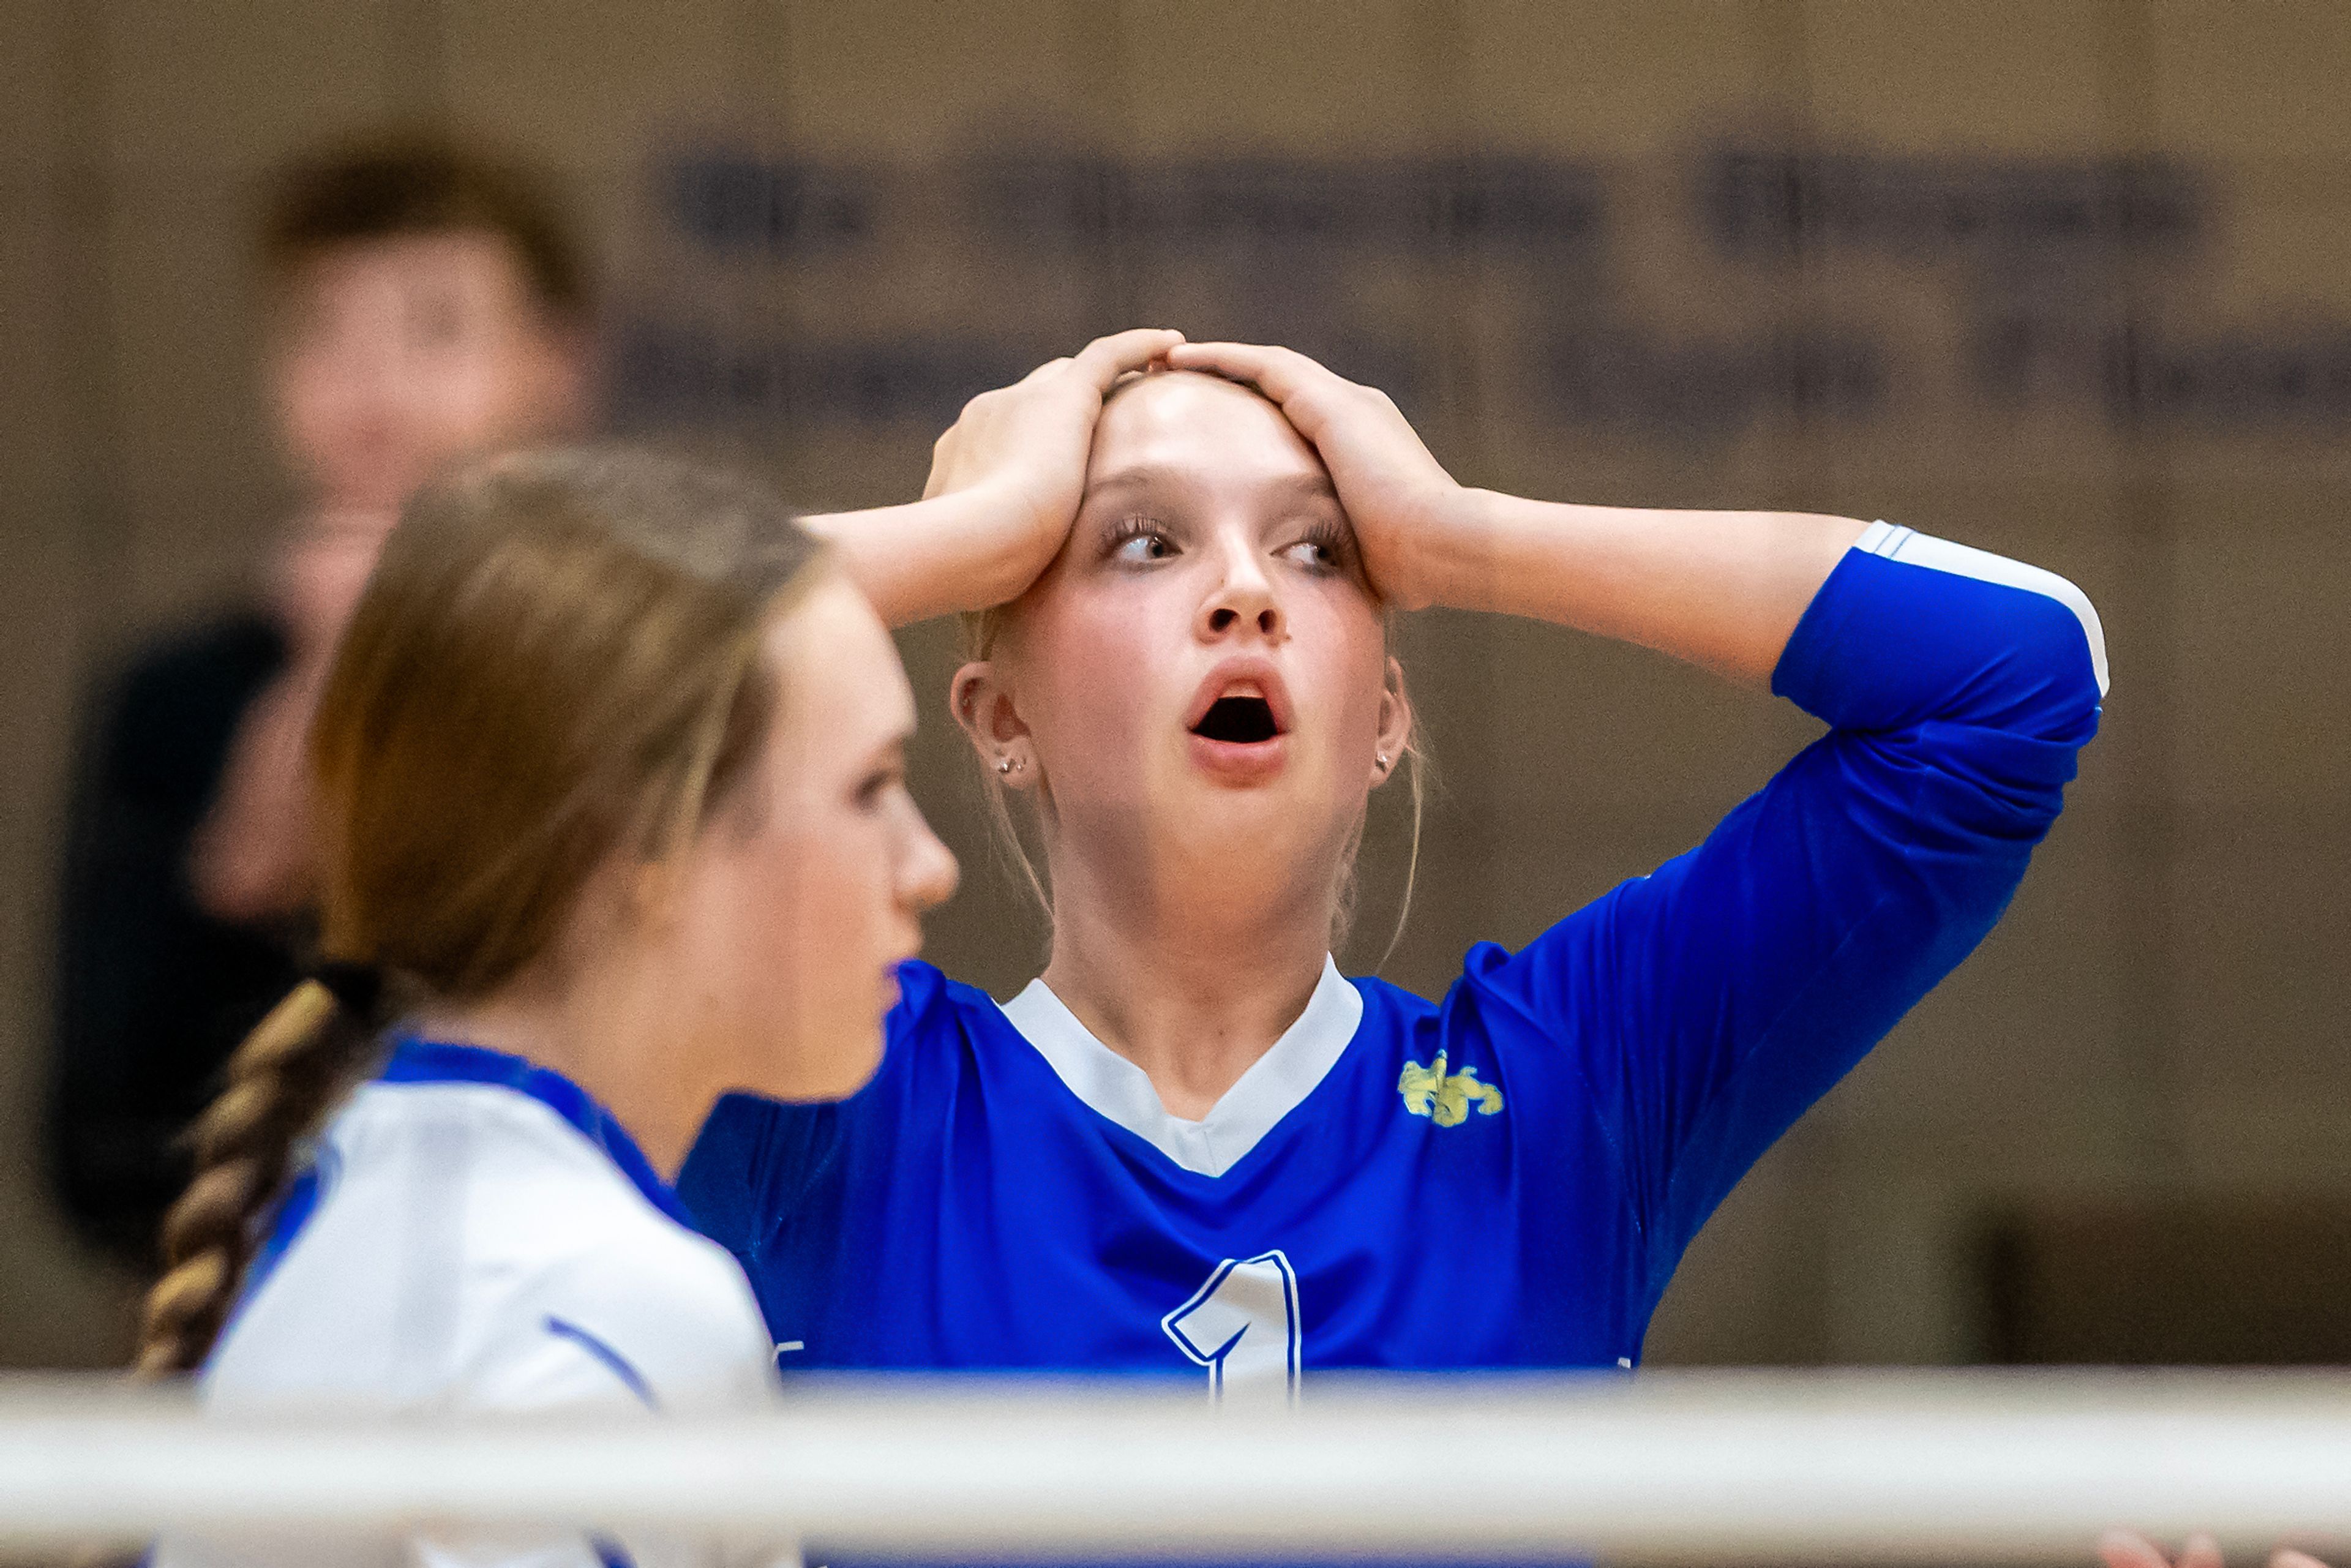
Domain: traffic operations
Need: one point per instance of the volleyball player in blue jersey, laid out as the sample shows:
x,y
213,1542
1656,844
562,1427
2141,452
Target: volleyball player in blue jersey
x,y
1191,1146
612,818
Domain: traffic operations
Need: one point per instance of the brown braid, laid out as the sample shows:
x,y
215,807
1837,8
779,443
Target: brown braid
x,y
283,1079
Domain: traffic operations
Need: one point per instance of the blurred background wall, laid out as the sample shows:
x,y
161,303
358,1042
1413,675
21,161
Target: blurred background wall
x,y
2067,281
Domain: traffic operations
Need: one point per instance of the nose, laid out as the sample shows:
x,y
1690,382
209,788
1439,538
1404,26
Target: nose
x,y
1244,596
927,872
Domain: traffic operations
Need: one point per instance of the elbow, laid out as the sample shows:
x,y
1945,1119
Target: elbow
x,y
2057,661
2037,645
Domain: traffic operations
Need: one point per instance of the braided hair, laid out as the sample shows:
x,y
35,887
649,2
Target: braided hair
x,y
281,1081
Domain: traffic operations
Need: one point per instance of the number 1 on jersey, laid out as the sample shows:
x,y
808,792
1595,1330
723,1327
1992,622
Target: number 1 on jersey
x,y
1242,1325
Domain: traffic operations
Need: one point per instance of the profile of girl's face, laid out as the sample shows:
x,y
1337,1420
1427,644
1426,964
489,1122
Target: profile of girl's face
x,y
1204,669
806,890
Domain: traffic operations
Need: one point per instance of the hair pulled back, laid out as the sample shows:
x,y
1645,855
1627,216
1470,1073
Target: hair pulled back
x,y
557,660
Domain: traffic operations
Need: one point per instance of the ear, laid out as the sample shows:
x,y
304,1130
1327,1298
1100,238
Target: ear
x,y
1395,725
984,706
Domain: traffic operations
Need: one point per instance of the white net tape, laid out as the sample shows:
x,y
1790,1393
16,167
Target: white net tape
x,y
1753,1468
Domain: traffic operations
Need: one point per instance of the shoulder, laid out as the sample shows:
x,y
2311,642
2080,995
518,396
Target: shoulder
x,y
1388,1008
757,1160
243,647
212,667
1505,1007
580,1289
474,1248
654,1316
168,712
928,1002
938,1032
1487,996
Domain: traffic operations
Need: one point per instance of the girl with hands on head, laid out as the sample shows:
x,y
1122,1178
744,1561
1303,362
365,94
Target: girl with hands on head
x,y
1192,1147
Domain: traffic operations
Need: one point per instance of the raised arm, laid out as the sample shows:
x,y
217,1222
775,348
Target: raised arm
x,y
1005,483
1697,1012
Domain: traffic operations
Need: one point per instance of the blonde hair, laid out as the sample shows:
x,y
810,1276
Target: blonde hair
x,y
558,657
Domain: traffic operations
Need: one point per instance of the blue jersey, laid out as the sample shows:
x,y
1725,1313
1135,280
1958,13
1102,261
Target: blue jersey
x,y
1502,1178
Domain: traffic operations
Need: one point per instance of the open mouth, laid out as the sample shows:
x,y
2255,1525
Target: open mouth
x,y
1238,721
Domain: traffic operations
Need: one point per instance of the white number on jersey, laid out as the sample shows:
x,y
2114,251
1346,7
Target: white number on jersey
x,y
1242,1325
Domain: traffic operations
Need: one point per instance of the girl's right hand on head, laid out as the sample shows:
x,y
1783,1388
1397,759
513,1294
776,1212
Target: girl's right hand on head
x,y
1025,447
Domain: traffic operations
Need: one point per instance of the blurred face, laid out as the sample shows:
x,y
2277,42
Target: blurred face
x,y
807,889
394,358
1200,683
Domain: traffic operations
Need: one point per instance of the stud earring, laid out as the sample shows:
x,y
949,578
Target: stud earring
x,y
1383,761
1005,764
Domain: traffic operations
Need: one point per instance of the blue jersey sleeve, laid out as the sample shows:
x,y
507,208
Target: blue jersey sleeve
x,y
1708,1005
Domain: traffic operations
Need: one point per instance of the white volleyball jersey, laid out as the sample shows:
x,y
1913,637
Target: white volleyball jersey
x,y
477,1234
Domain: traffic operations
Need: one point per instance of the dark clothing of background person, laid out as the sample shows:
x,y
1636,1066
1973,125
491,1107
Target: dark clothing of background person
x,y
153,994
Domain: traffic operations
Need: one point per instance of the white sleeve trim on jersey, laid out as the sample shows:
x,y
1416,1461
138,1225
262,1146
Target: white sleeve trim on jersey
x,y
1915,548
1117,1089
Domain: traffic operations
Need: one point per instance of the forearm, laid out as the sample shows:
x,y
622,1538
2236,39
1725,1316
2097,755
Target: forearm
x,y
927,558
1721,589
252,855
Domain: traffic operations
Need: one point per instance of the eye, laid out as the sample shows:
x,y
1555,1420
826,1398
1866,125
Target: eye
x,y
1323,547
1138,541
874,788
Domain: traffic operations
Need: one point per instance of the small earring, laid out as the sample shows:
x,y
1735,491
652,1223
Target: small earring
x,y
1005,764
1383,761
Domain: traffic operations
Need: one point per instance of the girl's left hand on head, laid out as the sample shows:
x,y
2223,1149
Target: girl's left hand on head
x,y
1396,495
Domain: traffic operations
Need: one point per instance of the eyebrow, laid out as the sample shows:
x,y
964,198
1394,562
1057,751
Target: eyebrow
x,y
1314,486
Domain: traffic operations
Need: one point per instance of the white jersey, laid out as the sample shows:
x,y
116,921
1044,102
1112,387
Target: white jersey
x,y
476,1234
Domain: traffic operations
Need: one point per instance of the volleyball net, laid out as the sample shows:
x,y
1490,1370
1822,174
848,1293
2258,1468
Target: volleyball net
x,y
1684,1468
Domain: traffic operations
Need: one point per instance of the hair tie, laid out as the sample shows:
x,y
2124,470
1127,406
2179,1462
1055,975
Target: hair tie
x,y
358,989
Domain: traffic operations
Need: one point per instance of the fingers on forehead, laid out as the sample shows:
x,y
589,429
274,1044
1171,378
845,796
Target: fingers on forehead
x,y
1131,350
1280,373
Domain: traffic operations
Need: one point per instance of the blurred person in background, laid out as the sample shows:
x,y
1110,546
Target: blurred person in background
x,y
425,303
612,818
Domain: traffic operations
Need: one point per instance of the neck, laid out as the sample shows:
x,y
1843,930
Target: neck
x,y
605,1050
1192,995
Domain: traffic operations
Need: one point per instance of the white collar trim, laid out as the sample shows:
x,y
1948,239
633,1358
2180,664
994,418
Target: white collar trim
x,y
1116,1088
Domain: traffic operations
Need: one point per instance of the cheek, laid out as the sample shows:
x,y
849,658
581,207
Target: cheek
x,y
464,388
827,886
1344,653
1094,669
314,388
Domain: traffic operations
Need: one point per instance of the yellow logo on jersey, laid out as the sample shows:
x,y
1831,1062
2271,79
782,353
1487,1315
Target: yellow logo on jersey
x,y
1446,1100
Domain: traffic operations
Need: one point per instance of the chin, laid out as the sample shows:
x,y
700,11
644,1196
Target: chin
x,y
1267,825
836,1064
856,1068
